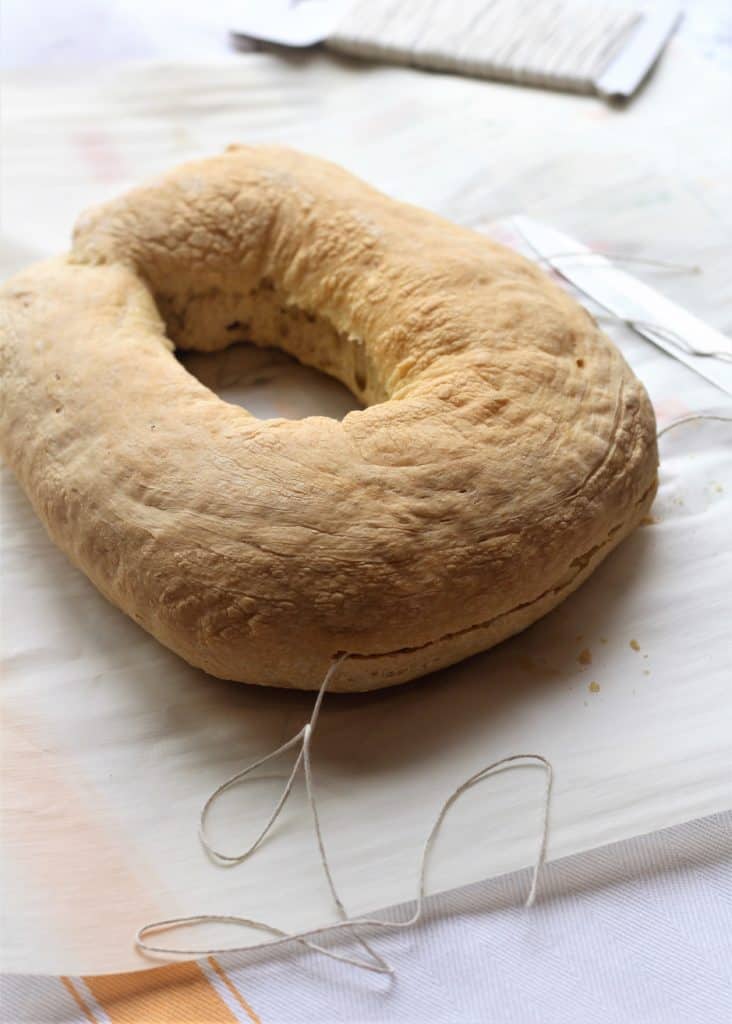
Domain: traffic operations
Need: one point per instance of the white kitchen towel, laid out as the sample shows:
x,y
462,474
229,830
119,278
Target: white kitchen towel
x,y
639,932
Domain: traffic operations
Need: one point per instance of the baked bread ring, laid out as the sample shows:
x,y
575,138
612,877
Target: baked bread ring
x,y
504,450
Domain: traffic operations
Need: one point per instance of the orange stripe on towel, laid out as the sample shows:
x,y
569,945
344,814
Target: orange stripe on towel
x,y
253,1017
76,996
176,994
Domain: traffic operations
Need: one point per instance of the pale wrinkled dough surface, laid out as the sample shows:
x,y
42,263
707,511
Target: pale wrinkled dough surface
x,y
508,449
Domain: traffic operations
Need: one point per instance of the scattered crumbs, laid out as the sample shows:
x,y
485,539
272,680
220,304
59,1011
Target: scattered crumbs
x,y
645,655
603,639
585,656
635,645
594,687
646,672
648,521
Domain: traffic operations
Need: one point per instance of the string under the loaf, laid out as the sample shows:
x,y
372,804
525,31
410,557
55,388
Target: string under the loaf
x,y
664,333
353,926
586,259
564,44
661,330
693,418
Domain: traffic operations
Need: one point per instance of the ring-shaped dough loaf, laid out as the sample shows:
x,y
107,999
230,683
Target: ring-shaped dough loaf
x,y
505,449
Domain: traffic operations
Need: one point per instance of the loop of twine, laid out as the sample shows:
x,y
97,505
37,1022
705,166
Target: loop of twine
x,y
587,260
693,418
665,334
353,926
662,331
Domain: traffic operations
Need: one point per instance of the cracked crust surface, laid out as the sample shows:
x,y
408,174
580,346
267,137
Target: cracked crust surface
x,y
505,449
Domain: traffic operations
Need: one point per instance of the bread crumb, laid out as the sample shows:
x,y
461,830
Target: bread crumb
x,y
578,638
646,672
648,521
603,639
585,656
594,687
635,645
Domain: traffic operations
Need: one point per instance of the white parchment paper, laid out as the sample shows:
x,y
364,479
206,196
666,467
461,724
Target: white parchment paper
x,y
110,743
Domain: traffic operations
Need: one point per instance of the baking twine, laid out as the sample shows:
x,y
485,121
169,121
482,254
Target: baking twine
x,y
644,327
352,926
587,259
377,963
663,332
693,418
559,44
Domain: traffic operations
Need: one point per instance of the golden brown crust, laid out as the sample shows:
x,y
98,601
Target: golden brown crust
x,y
508,449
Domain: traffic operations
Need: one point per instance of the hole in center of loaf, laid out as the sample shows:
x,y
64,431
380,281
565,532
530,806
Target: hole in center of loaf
x,y
215,318
269,383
